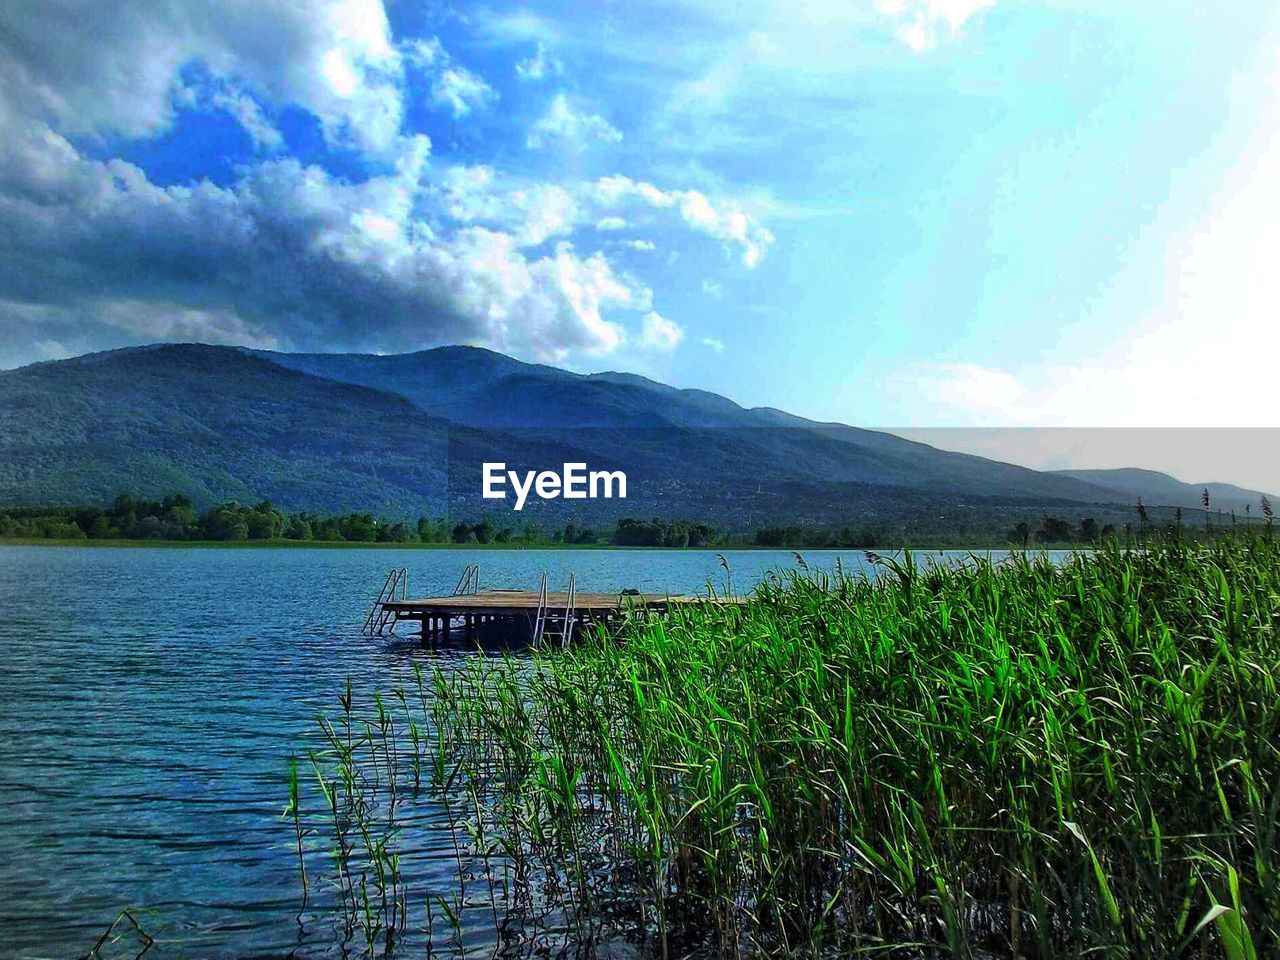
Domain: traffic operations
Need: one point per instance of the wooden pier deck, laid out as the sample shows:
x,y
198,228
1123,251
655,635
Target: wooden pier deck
x,y
498,602
510,614
519,611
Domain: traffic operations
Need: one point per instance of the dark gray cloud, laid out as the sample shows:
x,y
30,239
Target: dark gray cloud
x,y
290,253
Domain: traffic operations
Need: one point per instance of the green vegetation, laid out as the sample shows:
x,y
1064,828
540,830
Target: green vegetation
x,y
174,519
1003,759
1053,531
660,533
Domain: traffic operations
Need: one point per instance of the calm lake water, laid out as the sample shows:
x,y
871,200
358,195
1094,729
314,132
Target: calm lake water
x,y
150,698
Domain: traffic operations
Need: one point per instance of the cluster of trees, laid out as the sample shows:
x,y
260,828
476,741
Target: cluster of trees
x,y
176,518
793,537
486,532
1202,527
1057,530
663,533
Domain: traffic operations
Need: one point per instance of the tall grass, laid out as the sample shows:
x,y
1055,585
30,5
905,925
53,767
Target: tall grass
x,y
1004,759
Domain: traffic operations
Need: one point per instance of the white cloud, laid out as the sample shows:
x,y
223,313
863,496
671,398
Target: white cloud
x,y
469,194
553,305
713,289
538,66
425,53
250,116
712,344
537,212
453,86
586,286
88,67
570,126
727,221
659,333
534,213
547,211
923,24
460,90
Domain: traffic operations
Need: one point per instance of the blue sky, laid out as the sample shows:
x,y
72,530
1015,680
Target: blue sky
x,y
896,213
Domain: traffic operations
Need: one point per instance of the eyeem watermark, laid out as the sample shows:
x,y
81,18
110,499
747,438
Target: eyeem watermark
x,y
574,483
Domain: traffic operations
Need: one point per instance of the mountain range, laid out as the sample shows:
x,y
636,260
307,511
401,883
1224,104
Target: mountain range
x,y
406,435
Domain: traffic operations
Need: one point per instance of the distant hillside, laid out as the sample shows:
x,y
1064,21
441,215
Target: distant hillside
x,y
1160,488
481,388
212,423
406,435
468,385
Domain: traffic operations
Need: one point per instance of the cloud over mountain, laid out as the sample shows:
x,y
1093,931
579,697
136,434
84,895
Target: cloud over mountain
x,y
365,241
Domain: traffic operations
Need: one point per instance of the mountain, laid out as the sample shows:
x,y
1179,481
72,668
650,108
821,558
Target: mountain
x,y
480,388
1152,486
406,435
210,422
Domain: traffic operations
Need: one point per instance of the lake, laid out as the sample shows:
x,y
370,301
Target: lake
x,y
150,698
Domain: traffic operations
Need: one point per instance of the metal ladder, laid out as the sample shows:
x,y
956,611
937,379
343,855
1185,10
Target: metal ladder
x,y
469,582
540,621
568,616
570,601
395,588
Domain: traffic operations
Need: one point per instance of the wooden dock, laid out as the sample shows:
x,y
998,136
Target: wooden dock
x,y
517,612
471,614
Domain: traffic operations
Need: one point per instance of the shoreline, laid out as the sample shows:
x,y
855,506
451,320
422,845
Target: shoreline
x,y
359,545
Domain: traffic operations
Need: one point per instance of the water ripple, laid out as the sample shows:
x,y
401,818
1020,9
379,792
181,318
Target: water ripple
x,y
149,700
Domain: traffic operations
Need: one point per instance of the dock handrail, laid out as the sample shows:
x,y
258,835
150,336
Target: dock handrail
x,y
469,582
540,620
545,615
569,604
396,587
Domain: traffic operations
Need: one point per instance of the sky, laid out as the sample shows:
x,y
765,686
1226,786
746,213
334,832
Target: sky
x,y
903,214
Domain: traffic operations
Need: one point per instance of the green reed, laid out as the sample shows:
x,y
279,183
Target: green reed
x,y
1008,758
293,811
359,778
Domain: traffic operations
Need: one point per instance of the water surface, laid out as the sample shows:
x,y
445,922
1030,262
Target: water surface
x,y
150,698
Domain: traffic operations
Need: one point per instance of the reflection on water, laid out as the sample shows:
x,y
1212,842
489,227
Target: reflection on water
x,y
149,700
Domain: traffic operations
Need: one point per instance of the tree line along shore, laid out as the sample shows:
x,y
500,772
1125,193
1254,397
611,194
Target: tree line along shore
x,y
175,519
